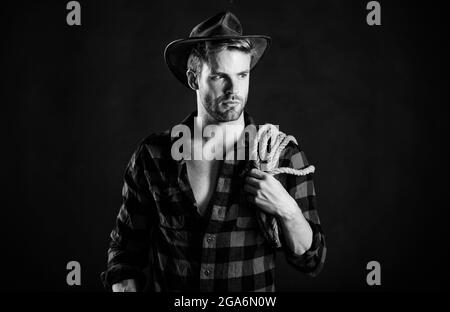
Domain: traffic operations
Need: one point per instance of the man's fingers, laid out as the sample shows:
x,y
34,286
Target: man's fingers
x,y
252,181
258,174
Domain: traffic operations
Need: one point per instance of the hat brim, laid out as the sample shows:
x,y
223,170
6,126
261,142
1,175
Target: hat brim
x,y
177,52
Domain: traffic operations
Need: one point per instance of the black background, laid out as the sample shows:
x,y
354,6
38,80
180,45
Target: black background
x,y
367,104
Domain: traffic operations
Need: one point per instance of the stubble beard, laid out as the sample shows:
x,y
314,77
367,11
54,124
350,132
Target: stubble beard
x,y
221,113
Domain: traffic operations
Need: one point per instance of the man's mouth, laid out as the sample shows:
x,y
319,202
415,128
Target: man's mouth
x,y
231,103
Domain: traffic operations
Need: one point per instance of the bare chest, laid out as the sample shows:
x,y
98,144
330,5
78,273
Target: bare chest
x,y
203,177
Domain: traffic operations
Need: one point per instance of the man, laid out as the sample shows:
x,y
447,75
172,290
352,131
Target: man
x,y
194,221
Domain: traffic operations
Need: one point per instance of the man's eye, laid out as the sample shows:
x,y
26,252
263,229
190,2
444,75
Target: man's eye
x,y
215,77
243,75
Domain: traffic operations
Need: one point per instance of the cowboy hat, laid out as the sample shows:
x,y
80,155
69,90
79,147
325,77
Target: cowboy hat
x,y
219,27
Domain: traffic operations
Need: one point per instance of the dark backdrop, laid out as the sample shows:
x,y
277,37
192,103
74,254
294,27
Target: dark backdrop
x,y
366,103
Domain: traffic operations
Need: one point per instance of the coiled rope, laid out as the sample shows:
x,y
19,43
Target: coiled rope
x,y
267,161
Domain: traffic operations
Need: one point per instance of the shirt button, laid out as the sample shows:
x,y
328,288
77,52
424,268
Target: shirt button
x,y
207,272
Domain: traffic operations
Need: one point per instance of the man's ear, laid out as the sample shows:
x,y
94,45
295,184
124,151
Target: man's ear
x,y
192,79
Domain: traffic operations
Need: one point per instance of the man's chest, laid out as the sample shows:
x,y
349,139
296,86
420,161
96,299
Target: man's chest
x,y
216,189
202,176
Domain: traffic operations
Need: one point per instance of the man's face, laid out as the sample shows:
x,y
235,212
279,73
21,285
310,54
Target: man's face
x,y
223,84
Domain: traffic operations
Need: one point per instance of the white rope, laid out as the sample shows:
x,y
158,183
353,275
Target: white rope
x,y
268,161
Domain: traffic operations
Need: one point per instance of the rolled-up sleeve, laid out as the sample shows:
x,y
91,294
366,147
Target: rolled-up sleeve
x,y
128,252
301,188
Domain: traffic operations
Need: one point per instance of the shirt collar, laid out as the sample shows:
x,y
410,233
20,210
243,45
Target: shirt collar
x,y
189,122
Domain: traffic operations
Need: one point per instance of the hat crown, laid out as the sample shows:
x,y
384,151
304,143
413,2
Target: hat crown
x,y
222,24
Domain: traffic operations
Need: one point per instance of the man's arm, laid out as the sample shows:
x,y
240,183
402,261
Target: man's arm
x,y
297,233
130,239
302,190
295,208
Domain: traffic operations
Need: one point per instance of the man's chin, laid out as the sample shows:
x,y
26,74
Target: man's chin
x,y
229,115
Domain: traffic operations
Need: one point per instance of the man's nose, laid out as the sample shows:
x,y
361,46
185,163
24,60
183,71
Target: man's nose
x,y
230,87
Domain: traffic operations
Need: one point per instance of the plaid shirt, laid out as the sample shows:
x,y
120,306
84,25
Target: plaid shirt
x,y
158,226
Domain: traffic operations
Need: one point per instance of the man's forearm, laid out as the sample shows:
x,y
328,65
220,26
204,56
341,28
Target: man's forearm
x,y
296,229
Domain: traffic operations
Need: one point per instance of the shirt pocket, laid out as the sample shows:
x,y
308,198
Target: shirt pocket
x,y
174,222
250,226
174,211
247,216
247,222
176,216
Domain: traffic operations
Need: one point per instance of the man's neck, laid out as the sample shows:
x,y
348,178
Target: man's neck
x,y
231,130
234,126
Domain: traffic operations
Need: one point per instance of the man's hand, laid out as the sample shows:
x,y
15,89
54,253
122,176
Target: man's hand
x,y
269,194
128,285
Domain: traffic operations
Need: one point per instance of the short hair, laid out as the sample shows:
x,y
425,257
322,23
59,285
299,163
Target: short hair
x,y
203,50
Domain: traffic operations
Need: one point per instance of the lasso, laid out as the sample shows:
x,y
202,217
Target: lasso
x,y
267,161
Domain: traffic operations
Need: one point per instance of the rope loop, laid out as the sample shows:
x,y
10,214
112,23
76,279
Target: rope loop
x,y
267,148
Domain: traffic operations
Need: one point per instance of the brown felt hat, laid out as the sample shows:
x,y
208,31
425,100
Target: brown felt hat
x,y
219,27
